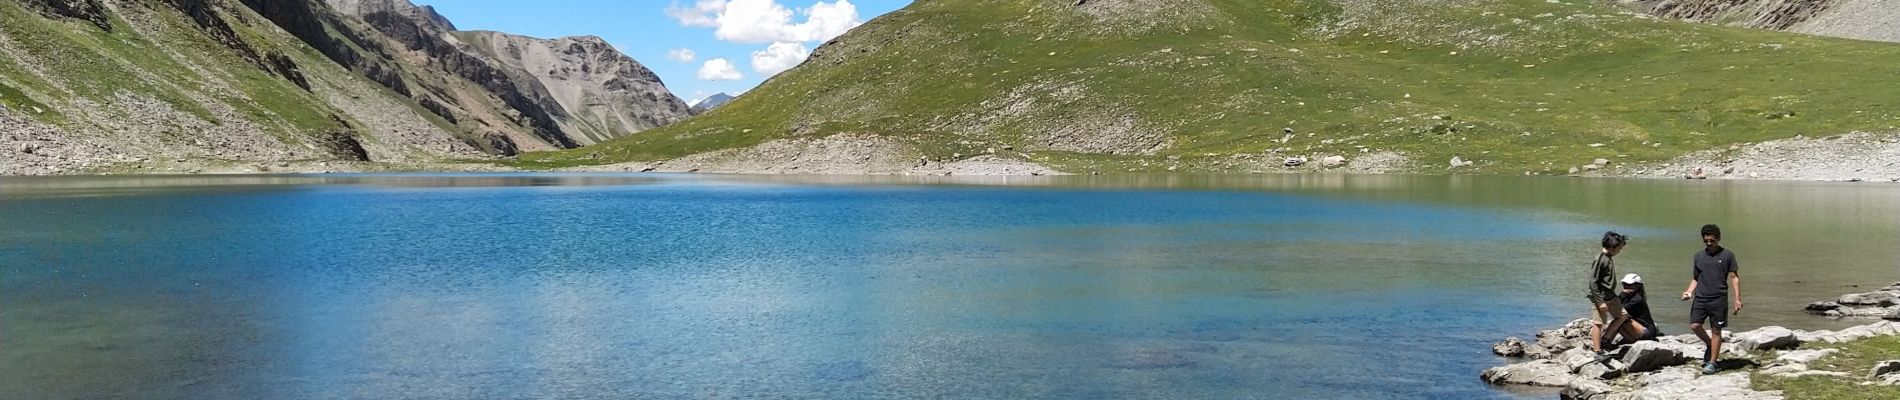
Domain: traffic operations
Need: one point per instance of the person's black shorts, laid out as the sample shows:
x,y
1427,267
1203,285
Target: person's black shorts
x,y
1715,311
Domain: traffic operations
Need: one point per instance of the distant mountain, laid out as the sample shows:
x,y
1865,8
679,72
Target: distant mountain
x,y
99,84
711,102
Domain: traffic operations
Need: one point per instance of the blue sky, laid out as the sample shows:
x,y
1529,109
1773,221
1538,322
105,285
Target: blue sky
x,y
754,38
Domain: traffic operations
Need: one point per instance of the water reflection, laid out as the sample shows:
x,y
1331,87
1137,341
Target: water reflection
x,y
692,286
68,186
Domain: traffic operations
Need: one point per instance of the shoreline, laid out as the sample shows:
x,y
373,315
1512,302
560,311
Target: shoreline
x,y
1771,357
1852,157
973,167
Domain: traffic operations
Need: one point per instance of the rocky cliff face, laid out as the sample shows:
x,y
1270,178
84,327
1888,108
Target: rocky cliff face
x,y
559,93
1854,19
90,85
134,85
604,94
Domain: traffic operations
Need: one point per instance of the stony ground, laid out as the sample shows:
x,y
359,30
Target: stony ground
x,y
1668,367
1855,157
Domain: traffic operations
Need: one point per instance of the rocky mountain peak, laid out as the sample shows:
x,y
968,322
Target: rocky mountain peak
x,y
606,93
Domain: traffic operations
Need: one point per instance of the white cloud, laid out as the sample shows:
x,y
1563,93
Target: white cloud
x,y
778,57
681,55
719,69
699,15
767,21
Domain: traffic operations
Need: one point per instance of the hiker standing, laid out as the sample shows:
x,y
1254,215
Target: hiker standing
x,y
1714,275
1608,317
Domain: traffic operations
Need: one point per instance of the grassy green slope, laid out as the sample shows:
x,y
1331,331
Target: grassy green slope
x,y
1516,85
166,60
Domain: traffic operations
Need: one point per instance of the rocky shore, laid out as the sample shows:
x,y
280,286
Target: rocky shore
x,y
1883,303
1854,157
1668,367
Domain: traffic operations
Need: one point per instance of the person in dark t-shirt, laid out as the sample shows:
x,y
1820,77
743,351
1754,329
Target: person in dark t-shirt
x,y
1715,274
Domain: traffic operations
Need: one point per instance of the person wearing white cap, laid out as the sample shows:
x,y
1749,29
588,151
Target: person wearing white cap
x,y
1641,326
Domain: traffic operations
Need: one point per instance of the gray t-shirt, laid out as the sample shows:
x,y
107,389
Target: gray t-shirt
x,y
1711,273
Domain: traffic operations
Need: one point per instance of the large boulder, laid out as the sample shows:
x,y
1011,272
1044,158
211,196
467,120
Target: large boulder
x,y
1536,352
1581,362
1882,298
1546,373
1510,347
1735,386
1883,328
1572,335
1765,338
1556,343
1585,389
1599,371
1648,356
1576,358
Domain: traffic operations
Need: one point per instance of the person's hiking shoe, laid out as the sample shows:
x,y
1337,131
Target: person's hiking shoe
x,y
1710,369
1603,356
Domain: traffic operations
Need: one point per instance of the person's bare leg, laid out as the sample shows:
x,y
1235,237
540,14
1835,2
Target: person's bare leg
x,y
1700,334
1715,344
1617,326
1596,327
1632,331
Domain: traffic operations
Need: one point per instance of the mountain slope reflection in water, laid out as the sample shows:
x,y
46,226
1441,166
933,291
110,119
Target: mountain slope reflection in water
x,y
666,287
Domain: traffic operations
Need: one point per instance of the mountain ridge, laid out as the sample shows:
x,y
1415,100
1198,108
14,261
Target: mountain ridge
x,y
711,102
1476,86
114,85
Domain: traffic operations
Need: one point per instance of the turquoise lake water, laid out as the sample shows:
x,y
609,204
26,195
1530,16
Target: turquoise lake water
x,y
680,286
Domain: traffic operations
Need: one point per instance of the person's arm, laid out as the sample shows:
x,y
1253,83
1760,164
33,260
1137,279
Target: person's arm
x,y
1694,271
1735,283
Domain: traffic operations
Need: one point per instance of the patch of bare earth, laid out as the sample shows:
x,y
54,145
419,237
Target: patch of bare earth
x,y
1859,156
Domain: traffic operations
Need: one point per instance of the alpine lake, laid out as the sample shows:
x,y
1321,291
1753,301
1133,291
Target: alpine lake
x,y
506,286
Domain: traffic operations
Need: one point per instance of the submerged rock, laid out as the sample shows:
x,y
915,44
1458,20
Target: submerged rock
x,y
1883,303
